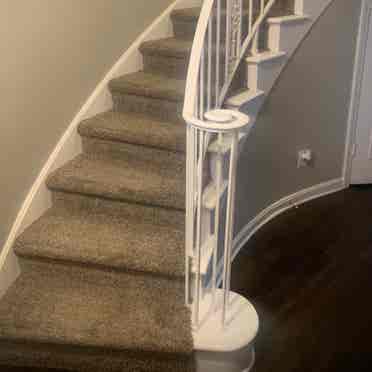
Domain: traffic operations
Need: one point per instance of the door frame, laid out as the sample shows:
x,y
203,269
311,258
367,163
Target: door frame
x,y
356,90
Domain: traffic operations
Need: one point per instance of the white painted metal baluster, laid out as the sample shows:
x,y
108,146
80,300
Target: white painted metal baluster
x,y
201,86
198,289
189,209
254,48
228,39
250,17
209,64
217,217
239,36
257,35
218,51
229,225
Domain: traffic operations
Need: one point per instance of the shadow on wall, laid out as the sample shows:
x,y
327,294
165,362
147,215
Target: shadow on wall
x,y
308,108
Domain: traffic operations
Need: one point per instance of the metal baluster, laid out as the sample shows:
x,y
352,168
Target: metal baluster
x,y
197,299
239,36
209,66
250,17
228,39
201,85
218,41
217,217
229,225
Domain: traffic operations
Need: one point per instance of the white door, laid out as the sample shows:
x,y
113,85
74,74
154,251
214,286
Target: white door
x,y
361,171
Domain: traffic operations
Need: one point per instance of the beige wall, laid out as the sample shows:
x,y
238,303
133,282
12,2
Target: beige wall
x,y
53,54
308,108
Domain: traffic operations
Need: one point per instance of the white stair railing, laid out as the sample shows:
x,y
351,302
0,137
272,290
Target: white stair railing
x,y
226,31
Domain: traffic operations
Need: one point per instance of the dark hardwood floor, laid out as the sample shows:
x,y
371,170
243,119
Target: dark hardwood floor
x,y
309,274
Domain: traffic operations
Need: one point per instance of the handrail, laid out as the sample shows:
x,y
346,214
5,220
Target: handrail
x,y
195,57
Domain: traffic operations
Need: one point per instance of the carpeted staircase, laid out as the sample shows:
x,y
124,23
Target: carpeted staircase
x,y
101,287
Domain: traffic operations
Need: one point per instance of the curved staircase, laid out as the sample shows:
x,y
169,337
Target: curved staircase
x,y
102,282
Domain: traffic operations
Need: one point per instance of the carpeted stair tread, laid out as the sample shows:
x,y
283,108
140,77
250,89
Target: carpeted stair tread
x,y
117,312
149,85
159,183
111,240
136,129
167,47
192,14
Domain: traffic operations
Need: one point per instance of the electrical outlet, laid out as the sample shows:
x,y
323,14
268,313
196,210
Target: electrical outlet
x,y
305,158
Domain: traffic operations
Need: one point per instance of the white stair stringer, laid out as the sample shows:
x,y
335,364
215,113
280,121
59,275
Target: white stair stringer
x,y
284,32
263,69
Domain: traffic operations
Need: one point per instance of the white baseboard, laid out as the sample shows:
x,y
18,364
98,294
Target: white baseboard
x,y
276,209
9,272
38,199
283,205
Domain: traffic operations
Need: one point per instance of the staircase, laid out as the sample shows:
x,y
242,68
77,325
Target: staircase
x,y
103,271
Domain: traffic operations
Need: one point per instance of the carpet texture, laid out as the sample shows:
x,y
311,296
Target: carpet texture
x,y
158,183
109,239
137,129
101,287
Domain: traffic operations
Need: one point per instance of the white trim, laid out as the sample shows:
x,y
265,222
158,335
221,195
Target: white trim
x,y
213,336
281,206
265,57
288,19
38,199
365,18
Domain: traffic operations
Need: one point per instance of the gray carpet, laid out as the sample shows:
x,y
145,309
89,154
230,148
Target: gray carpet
x,y
158,183
137,129
105,239
101,287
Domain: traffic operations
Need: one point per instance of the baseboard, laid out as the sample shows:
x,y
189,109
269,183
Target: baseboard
x,y
279,207
283,205
38,199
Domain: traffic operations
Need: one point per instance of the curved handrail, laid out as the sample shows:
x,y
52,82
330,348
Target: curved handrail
x,y
195,60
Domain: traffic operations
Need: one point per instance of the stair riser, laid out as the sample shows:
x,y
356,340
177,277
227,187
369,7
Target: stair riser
x,y
160,109
184,30
165,65
162,216
127,150
75,358
283,37
263,76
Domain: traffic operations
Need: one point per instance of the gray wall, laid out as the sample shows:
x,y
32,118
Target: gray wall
x,y
53,54
308,108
